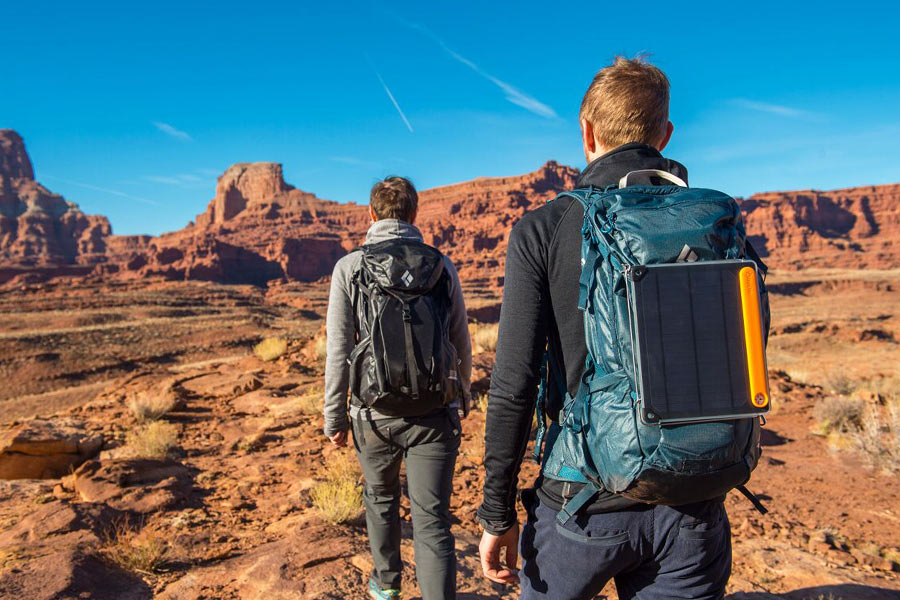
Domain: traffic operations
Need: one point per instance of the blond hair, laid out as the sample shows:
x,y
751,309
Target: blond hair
x,y
628,101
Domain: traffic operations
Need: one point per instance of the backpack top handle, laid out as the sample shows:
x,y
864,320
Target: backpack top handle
x,y
655,173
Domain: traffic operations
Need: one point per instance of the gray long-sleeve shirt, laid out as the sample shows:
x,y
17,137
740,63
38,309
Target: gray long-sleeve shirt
x,y
341,329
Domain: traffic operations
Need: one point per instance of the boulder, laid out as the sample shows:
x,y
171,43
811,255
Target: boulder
x,y
46,449
72,573
139,485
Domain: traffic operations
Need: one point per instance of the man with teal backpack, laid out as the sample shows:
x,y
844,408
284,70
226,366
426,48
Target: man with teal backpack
x,y
634,320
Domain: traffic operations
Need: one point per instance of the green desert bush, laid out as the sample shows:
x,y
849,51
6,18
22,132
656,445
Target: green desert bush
x,y
270,348
481,402
339,497
153,440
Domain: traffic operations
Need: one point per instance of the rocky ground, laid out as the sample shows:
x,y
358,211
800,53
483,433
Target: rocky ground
x,y
230,513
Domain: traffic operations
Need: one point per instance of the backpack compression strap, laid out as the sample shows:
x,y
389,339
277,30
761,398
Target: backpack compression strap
x,y
577,502
410,351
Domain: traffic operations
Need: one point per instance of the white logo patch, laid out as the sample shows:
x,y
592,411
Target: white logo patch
x,y
687,255
407,278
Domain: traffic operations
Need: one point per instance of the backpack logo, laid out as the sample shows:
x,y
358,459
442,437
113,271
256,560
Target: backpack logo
x,y
687,255
407,278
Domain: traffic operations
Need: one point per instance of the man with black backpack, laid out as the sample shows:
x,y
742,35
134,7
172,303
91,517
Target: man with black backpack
x,y
634,316
398,339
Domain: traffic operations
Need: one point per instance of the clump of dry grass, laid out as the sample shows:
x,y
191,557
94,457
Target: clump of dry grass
x,y
481,402
484,336
320,345
270,348
339,497
148,406
838,383
144,551
310,403
153,440
837,414
878,437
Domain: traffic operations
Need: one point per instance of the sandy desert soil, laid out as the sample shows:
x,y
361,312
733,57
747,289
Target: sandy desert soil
x,y
233,504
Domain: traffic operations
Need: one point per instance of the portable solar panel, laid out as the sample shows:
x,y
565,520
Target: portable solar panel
x,y
698,341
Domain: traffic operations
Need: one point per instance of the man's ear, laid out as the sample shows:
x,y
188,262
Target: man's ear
x,y
587,139
372,214
665,142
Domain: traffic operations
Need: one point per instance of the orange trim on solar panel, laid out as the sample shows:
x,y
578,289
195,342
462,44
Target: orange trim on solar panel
x,y
756,360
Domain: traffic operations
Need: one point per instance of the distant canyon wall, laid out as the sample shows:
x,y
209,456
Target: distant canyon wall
x,y
258,227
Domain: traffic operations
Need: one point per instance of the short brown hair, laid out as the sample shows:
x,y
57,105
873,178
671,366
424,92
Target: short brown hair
x,y
628,101
394,198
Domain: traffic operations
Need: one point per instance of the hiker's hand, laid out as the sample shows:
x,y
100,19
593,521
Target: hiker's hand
x,y
339,439
490,548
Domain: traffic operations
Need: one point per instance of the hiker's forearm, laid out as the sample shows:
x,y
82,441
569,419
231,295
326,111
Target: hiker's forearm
x,y
522,338
459,330
341,337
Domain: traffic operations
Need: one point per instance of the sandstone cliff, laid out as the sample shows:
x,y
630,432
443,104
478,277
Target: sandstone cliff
x,y
37,227
258,227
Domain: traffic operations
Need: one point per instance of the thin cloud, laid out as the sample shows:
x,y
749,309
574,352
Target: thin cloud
x,y
173,132
161,179
773,109
352,160
96,188
512,93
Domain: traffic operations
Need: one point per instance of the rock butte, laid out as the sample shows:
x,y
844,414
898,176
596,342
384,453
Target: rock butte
x,y
258,228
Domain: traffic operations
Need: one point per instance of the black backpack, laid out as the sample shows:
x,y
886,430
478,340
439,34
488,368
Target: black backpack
x,y
403,364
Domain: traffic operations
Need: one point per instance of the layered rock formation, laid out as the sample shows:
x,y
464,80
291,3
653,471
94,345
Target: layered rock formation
x,y
258,228
38,227
854,227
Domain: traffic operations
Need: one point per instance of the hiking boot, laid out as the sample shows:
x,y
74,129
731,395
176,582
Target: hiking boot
x,y
376,593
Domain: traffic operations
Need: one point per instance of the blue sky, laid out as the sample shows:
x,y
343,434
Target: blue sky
x,y
133,109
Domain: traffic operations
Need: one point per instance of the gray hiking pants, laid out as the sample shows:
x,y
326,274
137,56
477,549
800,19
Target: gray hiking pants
x,y
428,445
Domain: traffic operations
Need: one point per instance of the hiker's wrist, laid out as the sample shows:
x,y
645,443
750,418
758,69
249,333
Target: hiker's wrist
x,y
496,527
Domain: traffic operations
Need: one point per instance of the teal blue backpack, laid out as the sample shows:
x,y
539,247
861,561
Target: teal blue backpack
x,y
600,438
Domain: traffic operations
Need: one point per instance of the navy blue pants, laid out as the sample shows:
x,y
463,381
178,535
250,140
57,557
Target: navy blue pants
x,y
652,552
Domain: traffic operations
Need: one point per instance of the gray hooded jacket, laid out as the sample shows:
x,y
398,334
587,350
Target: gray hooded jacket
x,y
341,330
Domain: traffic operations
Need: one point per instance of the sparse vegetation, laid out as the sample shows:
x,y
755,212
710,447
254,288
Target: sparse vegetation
x,y
270,348
310,403
153,440
838,383
144,551
320,345
878,437
151,406
481,402
484,336
339,497
837,414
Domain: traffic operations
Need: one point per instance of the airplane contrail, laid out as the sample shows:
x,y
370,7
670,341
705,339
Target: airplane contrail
x,y
393,100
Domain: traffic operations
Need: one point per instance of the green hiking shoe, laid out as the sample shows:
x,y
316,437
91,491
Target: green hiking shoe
x,y
376,593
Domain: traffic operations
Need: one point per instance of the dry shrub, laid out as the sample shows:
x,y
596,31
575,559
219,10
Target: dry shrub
x,y
320,346
484,336
878,437
141,551
838,415
838,383
149,406
270,348
153,440
481,402
311,402
339,497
